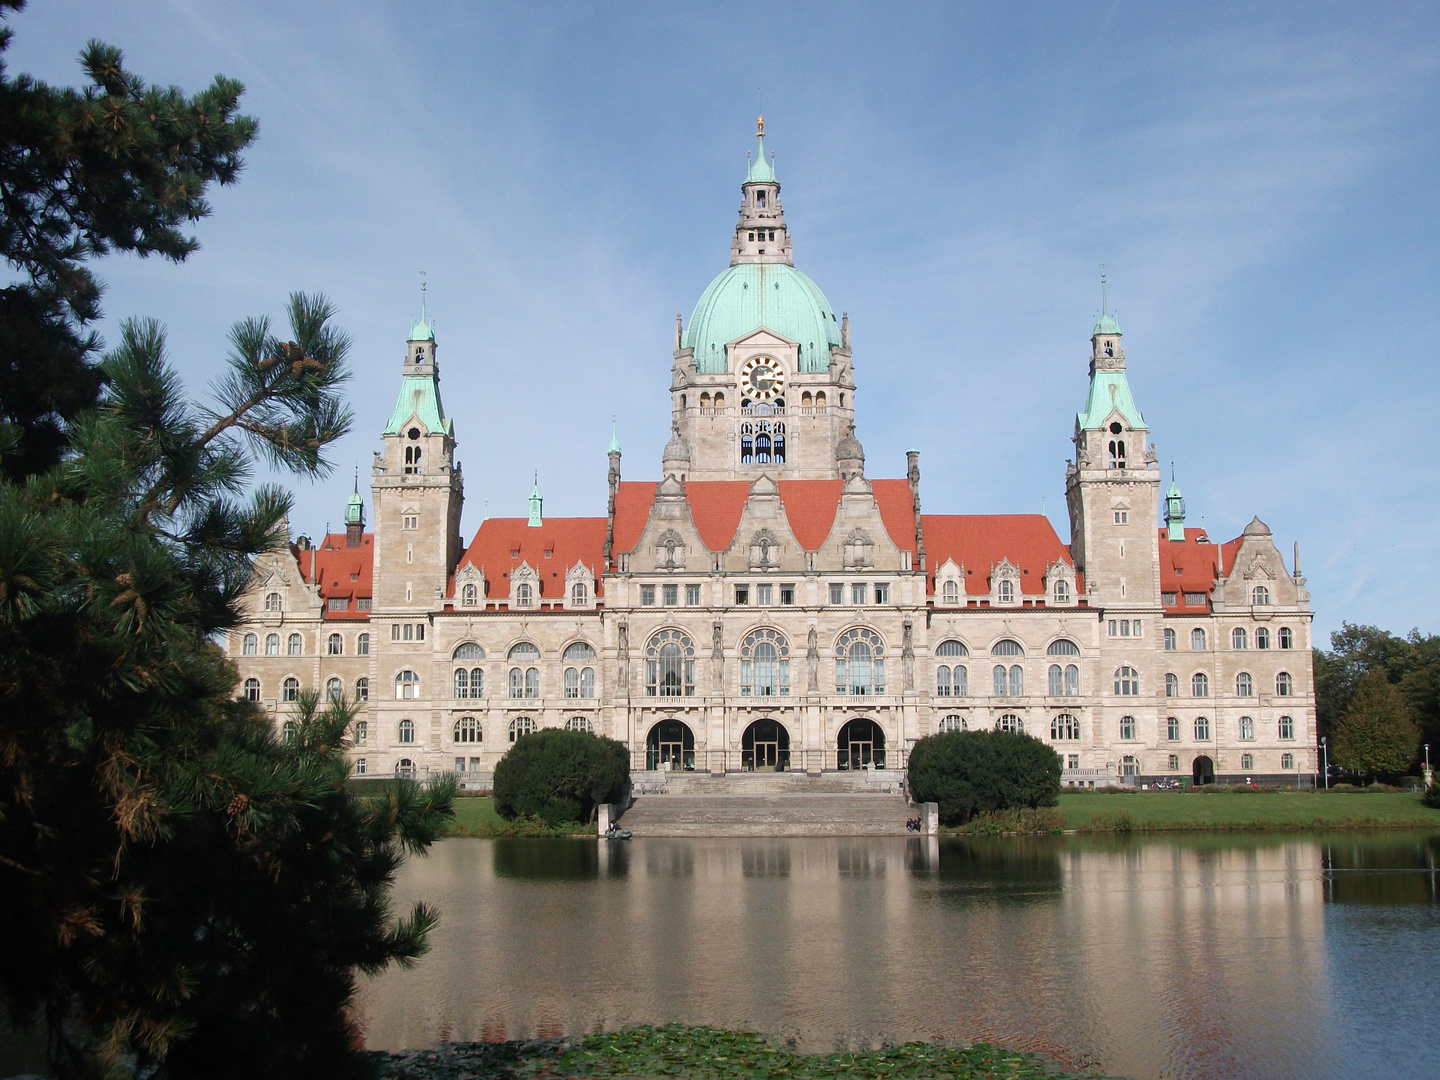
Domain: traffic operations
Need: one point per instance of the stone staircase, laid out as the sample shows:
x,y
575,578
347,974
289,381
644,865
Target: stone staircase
x,y
872,782
772,813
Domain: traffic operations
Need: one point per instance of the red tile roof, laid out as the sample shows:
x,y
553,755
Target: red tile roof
x,y
632,511
1188,567
979,541
501,544
339,571
810,506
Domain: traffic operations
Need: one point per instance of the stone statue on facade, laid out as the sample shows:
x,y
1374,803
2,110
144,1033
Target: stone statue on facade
x,y
907,655
812,661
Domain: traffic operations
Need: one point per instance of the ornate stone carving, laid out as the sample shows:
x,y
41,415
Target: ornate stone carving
x,y
907,655
812,661
670,551
859,550
764,550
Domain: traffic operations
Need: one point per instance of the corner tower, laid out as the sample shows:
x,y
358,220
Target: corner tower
x,y
762,382
416,487
1112,488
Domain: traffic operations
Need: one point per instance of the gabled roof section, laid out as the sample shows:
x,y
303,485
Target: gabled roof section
x,y
1188,566
632,511
980,541
810,507
419,397
1109,393
339,572
552,548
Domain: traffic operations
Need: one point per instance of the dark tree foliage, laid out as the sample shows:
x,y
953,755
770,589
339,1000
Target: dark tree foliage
x,y
560,775
1411,663
115,166
975,772
1376,735
178,888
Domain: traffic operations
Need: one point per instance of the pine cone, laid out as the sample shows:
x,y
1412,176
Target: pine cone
x,y
238,805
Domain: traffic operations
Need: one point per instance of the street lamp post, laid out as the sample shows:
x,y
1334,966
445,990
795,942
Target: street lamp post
x,y
1325,761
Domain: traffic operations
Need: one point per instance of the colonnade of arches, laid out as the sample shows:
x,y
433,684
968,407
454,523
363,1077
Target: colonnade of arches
x,y
765,745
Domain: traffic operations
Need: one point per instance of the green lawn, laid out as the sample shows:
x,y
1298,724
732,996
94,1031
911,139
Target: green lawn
x,y
1232,810
475,816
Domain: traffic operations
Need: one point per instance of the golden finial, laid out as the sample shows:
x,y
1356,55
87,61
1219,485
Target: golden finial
x,y
761,133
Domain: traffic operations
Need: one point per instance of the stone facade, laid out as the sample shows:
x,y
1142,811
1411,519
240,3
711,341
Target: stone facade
x,y
768,604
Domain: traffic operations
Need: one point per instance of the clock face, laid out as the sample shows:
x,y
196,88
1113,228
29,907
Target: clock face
x,y
762,378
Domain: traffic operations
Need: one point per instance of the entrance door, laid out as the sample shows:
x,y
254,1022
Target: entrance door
x,y
861,746
670,745
765,745
1203,771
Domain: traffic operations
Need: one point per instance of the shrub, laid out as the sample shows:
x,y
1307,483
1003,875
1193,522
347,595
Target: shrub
x,y
976,772
558,775
1432,796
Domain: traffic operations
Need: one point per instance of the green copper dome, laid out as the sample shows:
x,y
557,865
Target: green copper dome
x,y
422,331
1106,324
751,295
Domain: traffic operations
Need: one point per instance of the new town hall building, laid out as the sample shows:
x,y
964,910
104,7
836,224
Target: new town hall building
x,y
769,603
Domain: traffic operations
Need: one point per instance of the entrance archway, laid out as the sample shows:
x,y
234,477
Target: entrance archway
x,y
670,744
1129,769
1202,772
765,745
861,745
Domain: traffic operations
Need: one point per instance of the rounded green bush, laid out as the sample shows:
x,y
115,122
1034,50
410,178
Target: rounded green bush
x,y
559,775
975,772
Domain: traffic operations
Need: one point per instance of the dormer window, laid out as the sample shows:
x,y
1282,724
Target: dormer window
x,y
760,198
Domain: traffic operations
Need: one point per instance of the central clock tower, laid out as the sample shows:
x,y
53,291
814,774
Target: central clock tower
x,y
762,382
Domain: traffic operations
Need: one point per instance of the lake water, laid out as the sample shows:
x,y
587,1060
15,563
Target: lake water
x,y
1203,957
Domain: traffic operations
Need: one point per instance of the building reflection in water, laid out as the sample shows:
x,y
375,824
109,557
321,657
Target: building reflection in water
x,y
1202,957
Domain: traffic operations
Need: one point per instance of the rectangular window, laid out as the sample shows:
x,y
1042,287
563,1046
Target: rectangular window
x,y
882,594
360,766
1124,627
459,764
395,632
1113,629
742,594
1174,762
1122,517
837,593
787,594
764,595
1195,599
647,595
1072,761
671,595
692,595
420,631
362,604
1168,598
409,522
857,593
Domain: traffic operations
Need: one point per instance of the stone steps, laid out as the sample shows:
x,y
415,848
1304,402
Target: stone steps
x,y
792,814
769,783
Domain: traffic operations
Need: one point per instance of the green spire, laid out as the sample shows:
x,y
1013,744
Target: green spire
x,y
761,171
1174,511
355,508
422,331
536,501
614,439
1106,324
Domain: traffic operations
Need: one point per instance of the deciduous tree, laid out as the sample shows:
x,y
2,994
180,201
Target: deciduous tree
x,y
1376,734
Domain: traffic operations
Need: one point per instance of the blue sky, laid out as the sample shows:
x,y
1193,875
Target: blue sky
x,y
1260,181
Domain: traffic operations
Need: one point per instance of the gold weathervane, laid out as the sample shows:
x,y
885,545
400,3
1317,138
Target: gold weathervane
x,y
761,133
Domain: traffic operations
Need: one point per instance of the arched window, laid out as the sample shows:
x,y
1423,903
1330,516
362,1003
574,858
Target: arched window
x,y
1127,682
1007,647
820,399
405,768
407,686
1169,639
1260,595
579,594
1005,593
952,682
950,592
1127,728
1284,684
1009,723
296,645
1202,729
779,447
747,444
462,683
469,595
762,449
942,681
578,651
1287,640
1172,728
1197,639
1062,647
523,595
290,733
532,682
520,727
1064,728
335,689
362,731
1000,685
859,663
362,689
252,689
952,648
251,645
719,400
1238,638
580,723
1247,762
272,602
1285,728
1247,729
523,650
335,645
1287,761
1056,685
290,689
1199,685
1262,638
953,722
407,731
670,665
1072,680
468,650
1017,680
362,645
765,664
1062,592
466,730
272,644
1244,685
1172,684
1117,453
